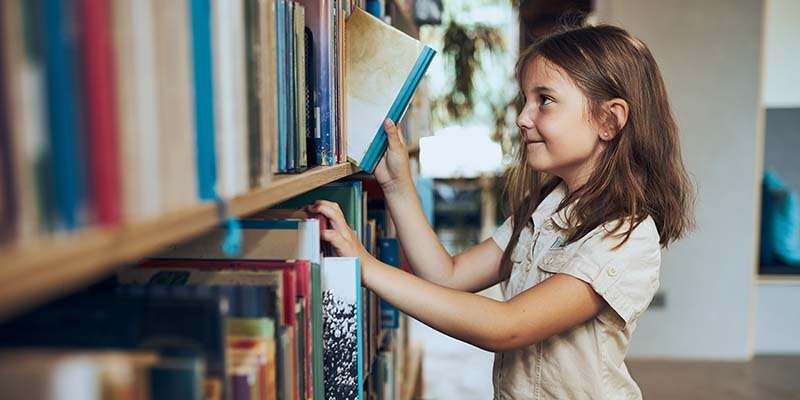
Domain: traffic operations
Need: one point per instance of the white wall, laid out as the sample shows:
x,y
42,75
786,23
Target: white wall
x,y
778,318
782,53
708,52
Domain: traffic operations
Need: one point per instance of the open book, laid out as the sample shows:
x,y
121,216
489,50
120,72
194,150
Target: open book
x,y
384,67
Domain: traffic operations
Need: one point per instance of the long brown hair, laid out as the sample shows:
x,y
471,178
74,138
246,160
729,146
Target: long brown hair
x,y
640,173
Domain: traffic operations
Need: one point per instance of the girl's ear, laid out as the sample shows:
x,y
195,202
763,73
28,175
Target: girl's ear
x,y
617,113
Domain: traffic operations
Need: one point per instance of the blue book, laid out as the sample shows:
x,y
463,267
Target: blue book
x,y
389,253
319,20
384,68
204,98
291,133
283,124
61,43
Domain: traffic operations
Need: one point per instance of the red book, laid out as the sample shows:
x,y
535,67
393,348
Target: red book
x,y
101,113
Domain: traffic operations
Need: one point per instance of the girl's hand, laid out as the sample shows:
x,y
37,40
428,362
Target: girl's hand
x,y
393,170
344,241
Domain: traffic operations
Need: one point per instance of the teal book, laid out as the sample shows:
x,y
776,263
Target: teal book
x,y
348,194
384,68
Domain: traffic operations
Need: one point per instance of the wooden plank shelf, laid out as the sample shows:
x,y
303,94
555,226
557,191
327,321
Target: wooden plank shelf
x,y
37,272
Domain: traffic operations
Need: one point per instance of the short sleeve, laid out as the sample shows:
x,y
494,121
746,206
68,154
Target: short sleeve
x,y
502,235
626,277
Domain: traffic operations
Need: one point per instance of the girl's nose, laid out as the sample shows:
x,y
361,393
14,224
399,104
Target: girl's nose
x,y
524,121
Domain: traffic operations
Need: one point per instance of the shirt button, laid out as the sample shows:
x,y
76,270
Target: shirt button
x,y
549,225
612,271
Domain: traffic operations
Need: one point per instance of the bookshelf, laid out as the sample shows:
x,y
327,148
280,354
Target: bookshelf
x,y
28,277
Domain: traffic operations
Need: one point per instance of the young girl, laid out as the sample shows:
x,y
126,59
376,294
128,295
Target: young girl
x,y
599,189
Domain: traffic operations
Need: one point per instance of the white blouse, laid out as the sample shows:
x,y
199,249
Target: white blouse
x,y
587,361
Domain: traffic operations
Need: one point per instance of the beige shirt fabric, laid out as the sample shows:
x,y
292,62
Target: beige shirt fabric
x,y
585,362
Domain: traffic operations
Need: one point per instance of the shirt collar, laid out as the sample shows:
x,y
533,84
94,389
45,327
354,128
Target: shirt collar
x,y
548,206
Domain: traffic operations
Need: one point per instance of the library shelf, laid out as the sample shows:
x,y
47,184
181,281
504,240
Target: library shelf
x,y
47,268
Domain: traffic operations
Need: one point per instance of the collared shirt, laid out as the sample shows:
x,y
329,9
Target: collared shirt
x,y
587,361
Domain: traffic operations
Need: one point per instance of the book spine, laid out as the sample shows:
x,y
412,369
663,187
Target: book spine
x,y
291,136
60,24
253,105
300,79
267,89
280,44
8,185
200,11
101,121
137,102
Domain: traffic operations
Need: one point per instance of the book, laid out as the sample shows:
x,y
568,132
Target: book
x,y
230,101
319,20
380,81
347,194
342,312
390,254
24,84
63,93
299,38
138,105
101,115
178,178
8,186
204,118
269,91
253,68
155,320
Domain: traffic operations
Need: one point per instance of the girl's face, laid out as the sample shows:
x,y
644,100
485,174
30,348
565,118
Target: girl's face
x,y
558,133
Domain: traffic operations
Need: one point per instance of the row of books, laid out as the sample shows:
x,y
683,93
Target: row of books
x,y
283,320
114,111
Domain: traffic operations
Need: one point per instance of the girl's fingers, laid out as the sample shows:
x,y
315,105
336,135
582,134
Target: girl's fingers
x,y
334,238
332,211
393,134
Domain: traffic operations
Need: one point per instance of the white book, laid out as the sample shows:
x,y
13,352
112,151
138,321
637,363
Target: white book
x,y
342,337
229,102
138,109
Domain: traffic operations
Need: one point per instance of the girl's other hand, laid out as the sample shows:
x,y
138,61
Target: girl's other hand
x,y
393,170
343,239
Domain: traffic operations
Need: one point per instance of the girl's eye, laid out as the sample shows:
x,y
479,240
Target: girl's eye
x,y
545,100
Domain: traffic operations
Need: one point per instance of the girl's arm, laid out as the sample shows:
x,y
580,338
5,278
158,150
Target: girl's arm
x,y
472,270
553,306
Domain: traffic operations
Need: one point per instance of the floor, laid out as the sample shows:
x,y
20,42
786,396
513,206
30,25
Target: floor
x,y
765,377
456,370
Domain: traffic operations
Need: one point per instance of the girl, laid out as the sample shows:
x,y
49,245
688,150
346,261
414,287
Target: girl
x,y
599,189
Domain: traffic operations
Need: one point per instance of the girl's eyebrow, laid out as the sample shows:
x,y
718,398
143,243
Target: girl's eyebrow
x,y
542,89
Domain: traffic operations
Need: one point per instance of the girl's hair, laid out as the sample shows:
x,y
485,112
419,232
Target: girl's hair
x,y
640,173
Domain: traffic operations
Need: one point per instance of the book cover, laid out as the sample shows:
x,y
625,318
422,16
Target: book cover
x,y
8,185
346,193
342,312
59,21
101,114
230,101
202,71
253,51
269,99
300,85
319,20
138,105
380,81
25,110
311,111
291,91
178,161
280,48
390,254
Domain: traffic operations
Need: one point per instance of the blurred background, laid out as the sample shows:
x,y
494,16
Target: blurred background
x,y
724,323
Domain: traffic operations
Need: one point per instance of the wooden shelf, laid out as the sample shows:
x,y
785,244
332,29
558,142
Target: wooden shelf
x,y
35,273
